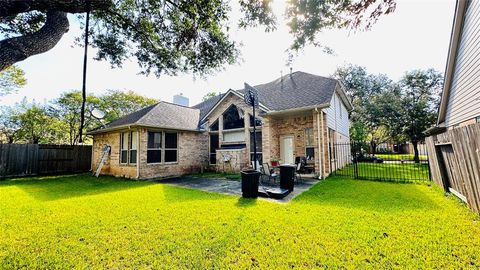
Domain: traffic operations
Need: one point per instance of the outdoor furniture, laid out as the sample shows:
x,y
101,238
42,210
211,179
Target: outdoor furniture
x,y
298,169
269,173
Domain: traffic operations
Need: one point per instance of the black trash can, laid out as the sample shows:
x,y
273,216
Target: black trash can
x,y
250,183
287,177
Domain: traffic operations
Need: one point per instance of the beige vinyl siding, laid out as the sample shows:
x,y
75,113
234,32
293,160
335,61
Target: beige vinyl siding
x,y
464,101
337,116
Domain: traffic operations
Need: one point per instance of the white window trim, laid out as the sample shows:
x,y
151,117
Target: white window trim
x,y
128,149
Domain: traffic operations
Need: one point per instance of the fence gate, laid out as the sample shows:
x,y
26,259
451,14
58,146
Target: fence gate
x,y
384,162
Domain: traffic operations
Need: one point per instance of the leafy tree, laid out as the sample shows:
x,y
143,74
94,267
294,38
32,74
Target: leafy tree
x,y
11,79
367,93
35,125
67,109
420,99
8,124
209,95
116,103
170,36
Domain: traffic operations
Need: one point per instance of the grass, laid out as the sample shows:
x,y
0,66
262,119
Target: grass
x,y
395,172
217,175
84,222
398,157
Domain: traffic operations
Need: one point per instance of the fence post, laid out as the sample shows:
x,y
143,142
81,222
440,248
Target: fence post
x,y
355,161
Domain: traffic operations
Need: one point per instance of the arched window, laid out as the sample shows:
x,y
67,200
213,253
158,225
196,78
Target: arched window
x,y
233,118
214,126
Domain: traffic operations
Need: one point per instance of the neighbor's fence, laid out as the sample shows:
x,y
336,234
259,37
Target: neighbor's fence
x,y
387,163
42,159
455,162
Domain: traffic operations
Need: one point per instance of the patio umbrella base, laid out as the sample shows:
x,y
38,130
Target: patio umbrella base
x,y
276,193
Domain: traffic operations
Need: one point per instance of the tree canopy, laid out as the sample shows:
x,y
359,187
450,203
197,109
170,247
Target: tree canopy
x,y
388,111
11,79
58,122
171,36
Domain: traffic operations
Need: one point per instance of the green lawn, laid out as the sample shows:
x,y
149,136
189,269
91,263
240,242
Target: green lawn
x,y
83,222
399,157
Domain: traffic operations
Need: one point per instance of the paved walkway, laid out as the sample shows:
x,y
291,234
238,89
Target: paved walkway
x,y
232,187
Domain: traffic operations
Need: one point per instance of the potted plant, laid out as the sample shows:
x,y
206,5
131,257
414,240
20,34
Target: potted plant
x,y
275,162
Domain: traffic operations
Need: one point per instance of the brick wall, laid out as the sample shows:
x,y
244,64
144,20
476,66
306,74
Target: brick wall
x,y
192,155
238,160
112,165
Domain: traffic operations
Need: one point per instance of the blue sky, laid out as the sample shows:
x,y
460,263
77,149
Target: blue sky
x,y
415,36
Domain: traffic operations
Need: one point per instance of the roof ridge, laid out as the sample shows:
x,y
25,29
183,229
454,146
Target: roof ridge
x,y
153,106
179,105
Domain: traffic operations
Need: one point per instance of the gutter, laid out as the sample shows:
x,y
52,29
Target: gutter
x,y
138,125
299,109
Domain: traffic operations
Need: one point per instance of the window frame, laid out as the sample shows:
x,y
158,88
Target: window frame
x,y
129,149
307,145
163,148
169,149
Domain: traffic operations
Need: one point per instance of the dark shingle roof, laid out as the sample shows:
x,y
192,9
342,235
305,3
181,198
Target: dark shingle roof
x,y
162,115
295,90
208,104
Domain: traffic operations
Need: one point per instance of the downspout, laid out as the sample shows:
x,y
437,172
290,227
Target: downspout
x,y
318,143
138,153
323,143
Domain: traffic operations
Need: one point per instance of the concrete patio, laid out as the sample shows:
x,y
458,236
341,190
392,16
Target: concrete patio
x,y
232,187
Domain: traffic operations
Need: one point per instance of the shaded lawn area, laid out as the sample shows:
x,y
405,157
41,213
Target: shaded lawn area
x,y
395,172
399,157
84,222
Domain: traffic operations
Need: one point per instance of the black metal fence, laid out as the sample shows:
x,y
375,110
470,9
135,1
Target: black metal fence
x,y
384,162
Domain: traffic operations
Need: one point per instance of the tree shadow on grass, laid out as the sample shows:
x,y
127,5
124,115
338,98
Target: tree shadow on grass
x,y
244,202
368,195
51,188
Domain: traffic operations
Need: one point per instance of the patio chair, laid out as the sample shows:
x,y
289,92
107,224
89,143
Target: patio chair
x,y
259,168
268,173
299,168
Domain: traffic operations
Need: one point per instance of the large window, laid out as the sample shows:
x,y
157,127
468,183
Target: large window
x,y
154,147
309,144
258,138
171,142
128,147
162,147
233,118
213,148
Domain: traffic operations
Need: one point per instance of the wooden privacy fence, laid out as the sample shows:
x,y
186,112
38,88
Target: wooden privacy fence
x,y
41,159
455,162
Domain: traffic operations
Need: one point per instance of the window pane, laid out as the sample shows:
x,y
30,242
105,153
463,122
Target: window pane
x,y
154,156
310,153
213,158
213,143
134,139
309,136
214,126
258,122
237,136
170,140
259,158
259,141
133,156
124,140
154,139
233,118
123,156
170,155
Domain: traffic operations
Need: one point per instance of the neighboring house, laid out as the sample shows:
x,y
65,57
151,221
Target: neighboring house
x,y
454,143
299,115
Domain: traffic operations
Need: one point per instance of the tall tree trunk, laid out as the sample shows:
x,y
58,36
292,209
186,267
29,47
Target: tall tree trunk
x,y
416,158
16,49
373,145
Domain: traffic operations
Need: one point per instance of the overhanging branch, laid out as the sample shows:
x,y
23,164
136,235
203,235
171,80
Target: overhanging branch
x,y
16,49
